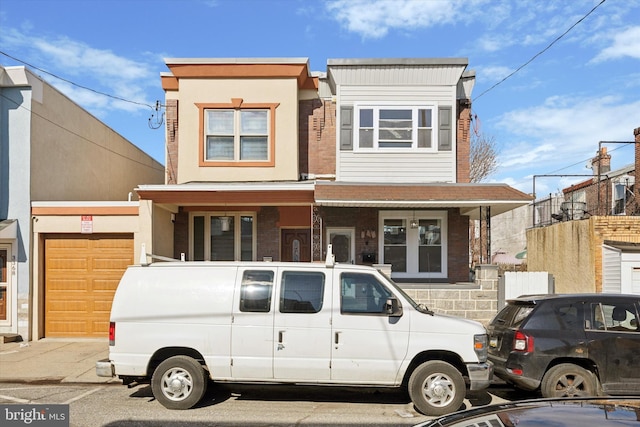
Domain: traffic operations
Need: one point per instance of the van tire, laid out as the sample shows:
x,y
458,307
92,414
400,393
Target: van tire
x,y
436,388
179,382
569,380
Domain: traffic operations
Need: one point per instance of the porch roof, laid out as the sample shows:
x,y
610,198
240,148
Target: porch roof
x,y
468,197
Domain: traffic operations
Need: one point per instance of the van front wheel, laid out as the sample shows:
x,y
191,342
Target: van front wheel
x,y
179,382
436,388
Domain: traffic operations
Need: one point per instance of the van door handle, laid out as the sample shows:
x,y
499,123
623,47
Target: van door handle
x,y
337,338
280,340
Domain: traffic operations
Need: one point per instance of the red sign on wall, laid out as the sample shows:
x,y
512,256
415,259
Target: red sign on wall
x,y
86,224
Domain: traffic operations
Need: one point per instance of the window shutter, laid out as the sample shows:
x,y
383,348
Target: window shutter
x,y
444,129
346,128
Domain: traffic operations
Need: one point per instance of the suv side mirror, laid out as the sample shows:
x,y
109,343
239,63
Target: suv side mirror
x,y
393,308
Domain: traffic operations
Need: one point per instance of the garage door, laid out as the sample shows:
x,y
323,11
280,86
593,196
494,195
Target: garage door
x,y
81,276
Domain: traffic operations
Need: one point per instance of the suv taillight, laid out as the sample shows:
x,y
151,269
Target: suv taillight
x,y
112,333
522,342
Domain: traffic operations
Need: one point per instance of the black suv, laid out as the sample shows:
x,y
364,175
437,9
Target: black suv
x,y
568,345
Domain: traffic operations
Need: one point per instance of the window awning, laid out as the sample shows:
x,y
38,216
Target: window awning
x,y
9,229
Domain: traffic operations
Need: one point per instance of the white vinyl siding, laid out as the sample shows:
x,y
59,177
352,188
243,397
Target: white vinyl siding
x,y
397,167
412,166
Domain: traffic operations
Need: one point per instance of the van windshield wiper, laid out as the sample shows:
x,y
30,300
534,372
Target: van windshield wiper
x,y
423,308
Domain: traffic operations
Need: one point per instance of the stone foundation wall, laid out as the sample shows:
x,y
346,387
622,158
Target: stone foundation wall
x,y
476,301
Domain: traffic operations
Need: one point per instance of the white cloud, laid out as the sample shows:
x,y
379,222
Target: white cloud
x,y
101,70
564,132
623,44
375,18
492,73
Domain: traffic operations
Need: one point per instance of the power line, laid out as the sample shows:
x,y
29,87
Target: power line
x,y
543,50
76,84
80,136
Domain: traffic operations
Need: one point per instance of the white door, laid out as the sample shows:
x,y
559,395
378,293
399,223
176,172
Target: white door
x,y
635,280
367,345
344,246
252,343
302,327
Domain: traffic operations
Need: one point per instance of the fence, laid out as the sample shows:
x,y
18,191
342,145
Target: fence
x,y
513,284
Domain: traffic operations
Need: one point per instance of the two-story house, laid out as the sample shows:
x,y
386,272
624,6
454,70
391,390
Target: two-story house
x,y
269,161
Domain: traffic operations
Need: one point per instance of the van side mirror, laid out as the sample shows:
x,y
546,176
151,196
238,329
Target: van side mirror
x,y
393,308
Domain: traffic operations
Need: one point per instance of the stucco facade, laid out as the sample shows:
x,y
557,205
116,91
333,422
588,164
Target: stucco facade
x,y
53,151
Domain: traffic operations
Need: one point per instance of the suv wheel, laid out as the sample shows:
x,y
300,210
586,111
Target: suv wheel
x,y
568,380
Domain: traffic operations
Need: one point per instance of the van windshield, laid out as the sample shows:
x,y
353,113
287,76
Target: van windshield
x,y
420,307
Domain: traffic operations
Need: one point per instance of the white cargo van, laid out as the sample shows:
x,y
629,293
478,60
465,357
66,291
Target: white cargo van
x,y
181,324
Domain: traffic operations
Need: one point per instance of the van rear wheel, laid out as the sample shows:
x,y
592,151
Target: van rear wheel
x,y
179,382
436,388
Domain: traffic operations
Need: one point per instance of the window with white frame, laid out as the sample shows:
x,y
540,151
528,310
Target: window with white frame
x,y
394,127
414,243
237,134
623,188
222,237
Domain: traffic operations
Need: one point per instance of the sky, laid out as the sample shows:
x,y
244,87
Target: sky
x,y
553,77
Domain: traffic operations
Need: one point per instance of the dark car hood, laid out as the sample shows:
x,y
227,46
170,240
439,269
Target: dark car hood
x,y
548,412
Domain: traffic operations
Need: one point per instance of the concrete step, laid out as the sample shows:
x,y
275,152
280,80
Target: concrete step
x,y
5,338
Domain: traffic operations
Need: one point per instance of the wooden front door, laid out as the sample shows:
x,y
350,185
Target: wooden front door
x,y
4,282
296,245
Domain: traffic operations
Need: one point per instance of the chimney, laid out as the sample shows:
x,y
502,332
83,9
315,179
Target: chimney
x,y
601,163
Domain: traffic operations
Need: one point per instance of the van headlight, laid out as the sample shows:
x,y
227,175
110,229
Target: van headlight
x,y
480,346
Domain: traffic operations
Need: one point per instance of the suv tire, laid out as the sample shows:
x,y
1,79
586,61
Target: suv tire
x,y
568,380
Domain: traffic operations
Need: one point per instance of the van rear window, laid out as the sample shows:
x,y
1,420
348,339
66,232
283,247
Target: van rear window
x,y
255,291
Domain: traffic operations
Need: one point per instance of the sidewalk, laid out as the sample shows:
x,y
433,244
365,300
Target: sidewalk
x,y
53,360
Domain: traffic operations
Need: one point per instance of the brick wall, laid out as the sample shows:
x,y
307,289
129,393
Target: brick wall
x,y
268,241
181,234
463,142
318,126
458,247
171,118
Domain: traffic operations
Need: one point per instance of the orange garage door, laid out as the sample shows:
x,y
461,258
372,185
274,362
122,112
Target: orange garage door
x,y
81,276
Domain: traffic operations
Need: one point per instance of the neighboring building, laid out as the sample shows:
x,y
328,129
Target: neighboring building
x,y
595,245
67,224
268,161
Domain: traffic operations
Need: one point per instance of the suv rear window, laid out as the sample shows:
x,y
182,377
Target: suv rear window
x,y
512,315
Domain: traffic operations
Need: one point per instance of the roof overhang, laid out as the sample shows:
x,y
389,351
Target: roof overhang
x,y
469,198
230,194
9,229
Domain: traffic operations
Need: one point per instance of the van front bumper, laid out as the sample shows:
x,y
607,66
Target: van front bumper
x,y
104,368
480,375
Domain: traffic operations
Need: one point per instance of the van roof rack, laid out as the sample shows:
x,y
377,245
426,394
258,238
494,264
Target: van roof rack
x,y
144,255
330,260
